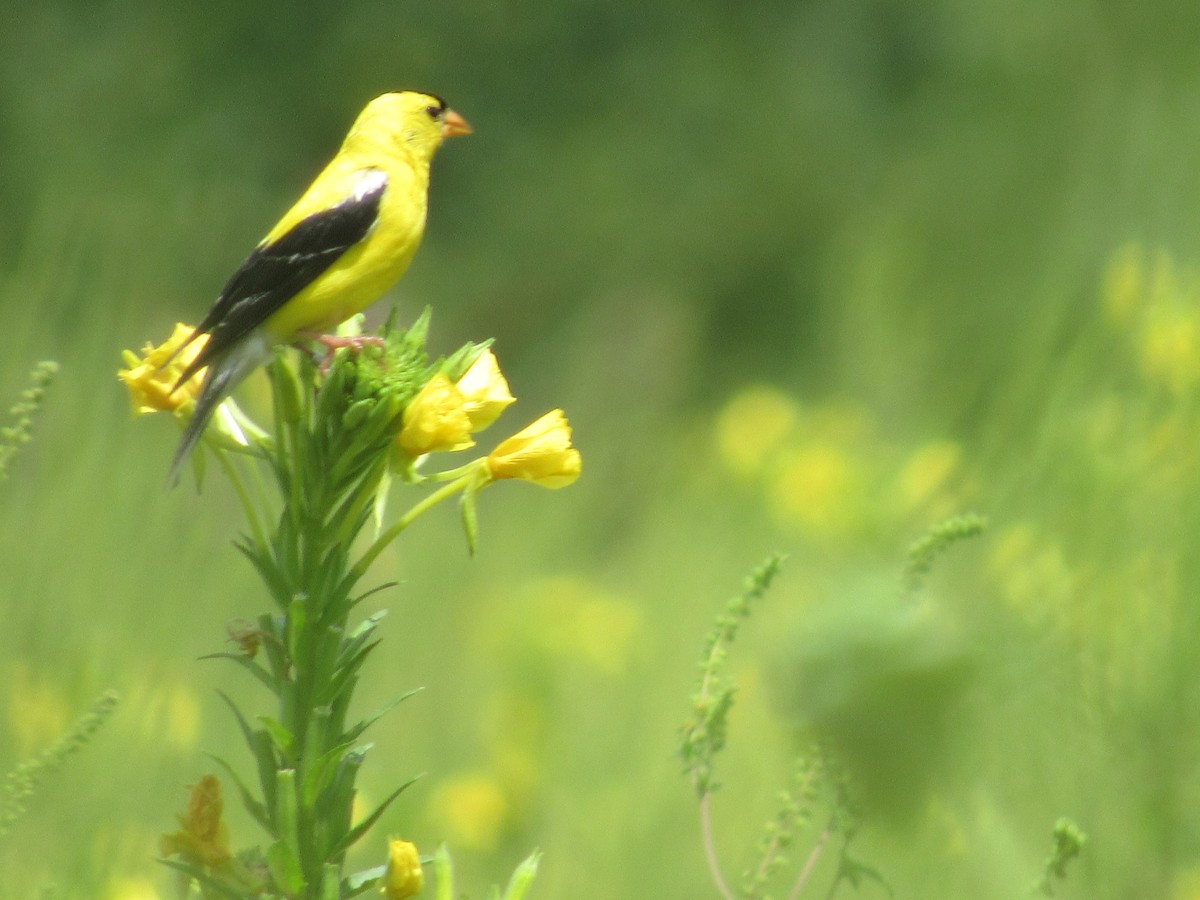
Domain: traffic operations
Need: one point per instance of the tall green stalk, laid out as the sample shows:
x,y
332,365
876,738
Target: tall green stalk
x,y
339,438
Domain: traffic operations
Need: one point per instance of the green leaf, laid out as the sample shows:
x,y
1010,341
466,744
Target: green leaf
x,y
365,594
354,732
443,870
335,806
355,833
297,616
283,856
261,748
357,412
268,571
318,775
207,882
288,403
285,868
355,884
854,872
248,663
346,671
283,739
417,334
274,650
352,645
363,631
330,883
253,805
470,517
456,364
522,877
332,390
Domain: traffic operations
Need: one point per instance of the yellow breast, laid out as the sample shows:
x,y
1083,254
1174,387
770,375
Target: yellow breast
x,y
367,270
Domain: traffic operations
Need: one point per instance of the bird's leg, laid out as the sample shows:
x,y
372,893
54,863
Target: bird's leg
x,y
333,342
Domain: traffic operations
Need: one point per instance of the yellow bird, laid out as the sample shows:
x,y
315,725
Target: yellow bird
x,y
334,253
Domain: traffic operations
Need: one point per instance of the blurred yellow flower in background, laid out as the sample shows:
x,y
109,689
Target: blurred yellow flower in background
x,y
927,472
436,420
818,487
151,377
1185,884
574,620
170,710
472,808
753,427
1033,574
132,889
1150,298
1125,283
404,876
825,469
541,453
38,713
1169,347
484,391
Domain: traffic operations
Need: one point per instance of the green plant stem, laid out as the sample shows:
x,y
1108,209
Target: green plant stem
x,y
768,858
418,509
261,490
239,487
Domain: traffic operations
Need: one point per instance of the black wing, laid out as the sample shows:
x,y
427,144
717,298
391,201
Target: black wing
x,y
275,273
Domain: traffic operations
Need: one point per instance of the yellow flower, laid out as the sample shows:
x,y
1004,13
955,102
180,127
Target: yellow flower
x,y
132,889
404,877
579,622
1169,345
436,420
1125,283
473,809
151,377
541,453
819,487
928,472
753,427
204,840
37,711
484,390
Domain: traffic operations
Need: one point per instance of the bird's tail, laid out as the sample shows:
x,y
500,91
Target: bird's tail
x,y
223,376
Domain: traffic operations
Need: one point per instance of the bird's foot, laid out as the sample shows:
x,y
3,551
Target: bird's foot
x,y
334,342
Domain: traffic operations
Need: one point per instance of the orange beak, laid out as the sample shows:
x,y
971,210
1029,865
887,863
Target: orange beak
x,y
454,125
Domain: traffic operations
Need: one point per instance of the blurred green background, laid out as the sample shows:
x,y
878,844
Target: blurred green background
x,y
806,276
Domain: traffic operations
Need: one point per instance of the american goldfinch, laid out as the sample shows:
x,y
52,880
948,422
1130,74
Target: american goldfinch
x,y
334,253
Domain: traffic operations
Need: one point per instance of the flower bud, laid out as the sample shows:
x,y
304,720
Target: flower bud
x,y
435,420
404,877
541,453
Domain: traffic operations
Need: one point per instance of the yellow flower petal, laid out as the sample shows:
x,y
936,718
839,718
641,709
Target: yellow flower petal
x,y
151,377
485,391
541,453
404,877
436,420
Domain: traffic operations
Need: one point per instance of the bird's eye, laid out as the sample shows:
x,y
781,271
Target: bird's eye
x,y
435,112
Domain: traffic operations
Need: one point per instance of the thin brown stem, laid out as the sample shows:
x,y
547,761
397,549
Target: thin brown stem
x,y
809,865
710,847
